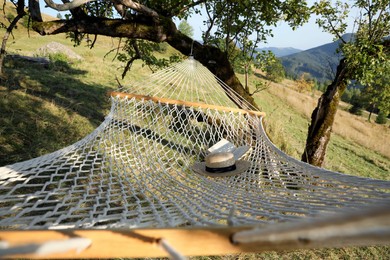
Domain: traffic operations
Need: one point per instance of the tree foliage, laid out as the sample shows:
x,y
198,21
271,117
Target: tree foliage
x,y
368,55
275,71
381,118
267,62
186,28
305,83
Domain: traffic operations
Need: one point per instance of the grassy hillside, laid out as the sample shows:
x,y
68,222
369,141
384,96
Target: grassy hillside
x,y
357,147
46,108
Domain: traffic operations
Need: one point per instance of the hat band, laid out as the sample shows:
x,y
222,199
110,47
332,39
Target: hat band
x,y
221,169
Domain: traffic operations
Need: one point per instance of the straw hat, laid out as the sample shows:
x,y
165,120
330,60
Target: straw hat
x,y
221,164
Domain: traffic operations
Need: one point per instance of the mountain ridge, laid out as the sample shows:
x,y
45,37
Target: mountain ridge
x,y
319,62
280,51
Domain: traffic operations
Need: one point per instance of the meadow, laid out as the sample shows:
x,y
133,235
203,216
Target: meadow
x,y
47,108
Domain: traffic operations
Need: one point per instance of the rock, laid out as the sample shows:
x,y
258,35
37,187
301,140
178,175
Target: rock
x,y
55,47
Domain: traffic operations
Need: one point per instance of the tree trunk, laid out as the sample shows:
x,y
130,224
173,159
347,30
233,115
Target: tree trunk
x,y
323,117
371,110
21,13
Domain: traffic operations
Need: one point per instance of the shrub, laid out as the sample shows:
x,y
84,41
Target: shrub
x,y
58,62
275,71
357,105
356,109
304,83
381,118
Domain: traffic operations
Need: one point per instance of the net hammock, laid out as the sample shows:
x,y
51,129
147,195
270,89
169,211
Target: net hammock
x,y
134,172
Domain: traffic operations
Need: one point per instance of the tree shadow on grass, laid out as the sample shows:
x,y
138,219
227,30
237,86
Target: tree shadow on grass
x,y
45,109
261,76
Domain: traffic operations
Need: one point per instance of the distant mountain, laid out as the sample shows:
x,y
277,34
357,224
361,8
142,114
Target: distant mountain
x,y
320,62
280,52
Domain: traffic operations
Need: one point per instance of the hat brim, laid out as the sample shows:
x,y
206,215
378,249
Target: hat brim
x,y
241,166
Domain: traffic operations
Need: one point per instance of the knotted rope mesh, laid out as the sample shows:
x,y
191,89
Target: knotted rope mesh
x,y
135,171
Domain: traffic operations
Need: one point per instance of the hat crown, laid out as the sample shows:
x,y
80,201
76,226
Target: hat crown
x,y
220,160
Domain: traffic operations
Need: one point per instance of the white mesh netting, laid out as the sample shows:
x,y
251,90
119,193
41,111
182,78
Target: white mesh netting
x,y
134,170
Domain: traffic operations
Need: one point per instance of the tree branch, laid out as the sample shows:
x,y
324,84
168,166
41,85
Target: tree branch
x,y
185,8
66,6
138,7
35,10
20,14
135,57
140,29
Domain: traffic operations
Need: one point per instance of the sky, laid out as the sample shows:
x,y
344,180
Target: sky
x,y
305,37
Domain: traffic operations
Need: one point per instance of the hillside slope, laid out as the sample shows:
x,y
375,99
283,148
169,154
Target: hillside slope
x,y
357,147
320,62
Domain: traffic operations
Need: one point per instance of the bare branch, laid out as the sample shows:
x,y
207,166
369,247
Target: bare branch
x,y
66,6
135,57
120,9
260,87
21,13
211,19
116,49
94,41
185,8
137,7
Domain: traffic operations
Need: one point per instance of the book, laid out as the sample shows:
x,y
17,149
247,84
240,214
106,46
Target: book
x,y
225,146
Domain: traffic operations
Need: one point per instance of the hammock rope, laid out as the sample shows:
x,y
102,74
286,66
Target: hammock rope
x,y
134,171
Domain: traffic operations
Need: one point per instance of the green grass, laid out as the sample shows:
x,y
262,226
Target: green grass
x,y
370,252
46,108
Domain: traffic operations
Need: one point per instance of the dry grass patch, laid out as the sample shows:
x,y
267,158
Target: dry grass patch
x,y
371,135
355,128
304,103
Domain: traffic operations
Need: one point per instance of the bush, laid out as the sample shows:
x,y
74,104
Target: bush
x,y
10,17
58,62
26,22
347,96
275,71
357,105
356,109
305,83
381,118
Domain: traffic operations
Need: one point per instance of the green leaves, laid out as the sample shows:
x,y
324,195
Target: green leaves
x,y
145,51
186,28
367,56
332,17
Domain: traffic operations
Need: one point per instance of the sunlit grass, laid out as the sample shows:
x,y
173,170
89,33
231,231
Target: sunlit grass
x,y
357,147
354,128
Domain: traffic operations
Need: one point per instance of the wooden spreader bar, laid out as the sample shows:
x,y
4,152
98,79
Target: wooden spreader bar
x,y
120,243
186,103
369,227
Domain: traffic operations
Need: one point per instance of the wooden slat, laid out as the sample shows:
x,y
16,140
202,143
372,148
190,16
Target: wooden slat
x,y
370,227
128,243
187,103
